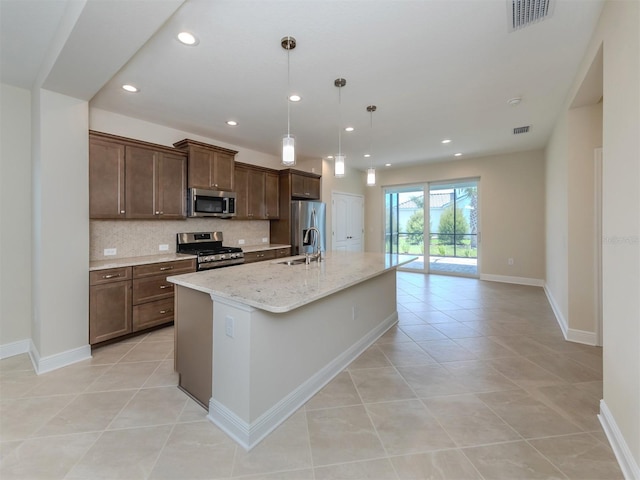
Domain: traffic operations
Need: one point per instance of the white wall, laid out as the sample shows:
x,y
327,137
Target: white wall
x,y
60,224
511,202
618,33
585,135
15,215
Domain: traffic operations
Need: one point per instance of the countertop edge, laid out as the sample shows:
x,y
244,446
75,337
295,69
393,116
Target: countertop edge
x,y
133,261
263,246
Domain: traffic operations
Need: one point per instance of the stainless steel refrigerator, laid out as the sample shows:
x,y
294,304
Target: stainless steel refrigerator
x,y
304,215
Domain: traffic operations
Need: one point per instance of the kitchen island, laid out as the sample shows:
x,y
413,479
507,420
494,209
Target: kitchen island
x,y
255,342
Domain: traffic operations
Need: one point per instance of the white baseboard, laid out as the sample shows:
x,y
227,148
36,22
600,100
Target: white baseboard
x,y
570,334
533,282
628,465
58,360
248,435
15,348
556,312
582,336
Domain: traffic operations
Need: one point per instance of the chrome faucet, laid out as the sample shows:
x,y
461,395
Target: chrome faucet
x,y
316,247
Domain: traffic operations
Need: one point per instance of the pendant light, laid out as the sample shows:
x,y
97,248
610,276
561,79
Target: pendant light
x,y
338,163
371,172
288,141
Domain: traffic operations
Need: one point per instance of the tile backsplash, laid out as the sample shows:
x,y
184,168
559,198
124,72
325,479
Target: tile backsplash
x,y
134,238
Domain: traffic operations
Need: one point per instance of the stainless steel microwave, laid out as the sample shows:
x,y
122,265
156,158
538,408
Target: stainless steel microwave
x,y
211,203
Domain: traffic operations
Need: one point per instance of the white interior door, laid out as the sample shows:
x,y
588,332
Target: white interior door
x,y
347,216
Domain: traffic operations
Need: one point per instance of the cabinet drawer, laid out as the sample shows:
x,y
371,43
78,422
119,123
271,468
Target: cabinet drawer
x,y
109,275
151,288
152,313
166,268
259,256
283,252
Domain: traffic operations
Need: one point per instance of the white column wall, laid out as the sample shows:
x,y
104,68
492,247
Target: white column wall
x,y
60,226
15,218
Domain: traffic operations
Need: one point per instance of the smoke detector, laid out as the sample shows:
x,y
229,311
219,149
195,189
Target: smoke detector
x,y
522,13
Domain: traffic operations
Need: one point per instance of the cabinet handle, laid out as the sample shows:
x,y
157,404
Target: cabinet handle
x,y
162,287
121,211
115,275
166,311
164,269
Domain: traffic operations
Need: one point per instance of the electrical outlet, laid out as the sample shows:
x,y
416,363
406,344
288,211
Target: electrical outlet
x,y
241,242
265,240
510,261
110,251
228,326
163,247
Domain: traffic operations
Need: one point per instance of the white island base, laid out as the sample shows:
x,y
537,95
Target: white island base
x,y
265,365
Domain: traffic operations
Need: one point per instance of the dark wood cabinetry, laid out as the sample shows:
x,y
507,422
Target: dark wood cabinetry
x,y
109,304
106,179
132,179
131,299
257,192
305,186
294,185
210,167
262,255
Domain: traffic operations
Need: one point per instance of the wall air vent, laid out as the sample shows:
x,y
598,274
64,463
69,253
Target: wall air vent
x,y
519,130
522,13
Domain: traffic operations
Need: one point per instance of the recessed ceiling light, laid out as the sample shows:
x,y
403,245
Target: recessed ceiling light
x,y
330,157
232,123
349,129
367,155
387,164
130,88
446,140
187,38
295,98
457,154
514,101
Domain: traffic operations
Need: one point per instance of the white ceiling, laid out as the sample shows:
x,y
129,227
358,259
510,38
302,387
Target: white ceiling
x,y
435,69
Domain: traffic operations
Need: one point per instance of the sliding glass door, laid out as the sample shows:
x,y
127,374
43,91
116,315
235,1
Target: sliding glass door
x,y
453,228
404,224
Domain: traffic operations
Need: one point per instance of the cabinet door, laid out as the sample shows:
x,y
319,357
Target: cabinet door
x,y
109,311
255,186
223,169
172,182
141,183
106,179
272,196
297,185
151,314
242,193
200,164
312,187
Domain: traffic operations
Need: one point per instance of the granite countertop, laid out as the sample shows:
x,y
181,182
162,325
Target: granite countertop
x,y
132,261
281,288
263,246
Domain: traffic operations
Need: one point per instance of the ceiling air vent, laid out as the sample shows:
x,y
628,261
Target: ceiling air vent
x,y
519,130
523,13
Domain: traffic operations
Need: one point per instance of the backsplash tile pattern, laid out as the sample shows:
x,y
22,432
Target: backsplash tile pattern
x,y
134,238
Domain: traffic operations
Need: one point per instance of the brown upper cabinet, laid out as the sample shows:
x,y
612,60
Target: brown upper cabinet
x,y
210,167
133,179
305,186
257,192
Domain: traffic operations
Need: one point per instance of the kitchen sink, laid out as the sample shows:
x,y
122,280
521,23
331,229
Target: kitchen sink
x,y
293,261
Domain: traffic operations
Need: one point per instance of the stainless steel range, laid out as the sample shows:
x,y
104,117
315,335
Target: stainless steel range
x,y
209,249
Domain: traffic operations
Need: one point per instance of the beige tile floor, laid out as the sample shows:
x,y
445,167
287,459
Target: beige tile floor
x,y
476,381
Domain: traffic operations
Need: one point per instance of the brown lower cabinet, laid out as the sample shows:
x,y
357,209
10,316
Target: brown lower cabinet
x,y
262,255
127,300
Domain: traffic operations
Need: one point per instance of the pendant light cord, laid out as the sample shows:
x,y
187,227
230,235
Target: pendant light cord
x,y
340,120
288,90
